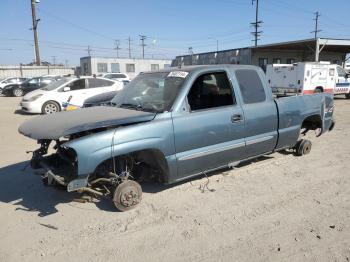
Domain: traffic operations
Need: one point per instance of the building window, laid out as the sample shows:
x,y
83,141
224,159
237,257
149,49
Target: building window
x,y
276,61
130,68
101,67
115,68
154,67
167,65
263,63
291,60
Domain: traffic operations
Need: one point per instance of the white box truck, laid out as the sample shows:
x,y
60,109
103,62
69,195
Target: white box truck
x,y
308,78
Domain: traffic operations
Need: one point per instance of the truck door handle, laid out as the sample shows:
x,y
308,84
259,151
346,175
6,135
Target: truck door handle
x,y
236,118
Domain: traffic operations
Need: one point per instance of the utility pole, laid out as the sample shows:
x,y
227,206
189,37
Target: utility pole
x,y
89,50
53,60
35,26
316,31
129,46
190,52
257,23
117,43
66,62
142,39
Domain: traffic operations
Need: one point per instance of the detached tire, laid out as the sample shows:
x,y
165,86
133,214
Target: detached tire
x,y
17,92
50,107
127,195
303,147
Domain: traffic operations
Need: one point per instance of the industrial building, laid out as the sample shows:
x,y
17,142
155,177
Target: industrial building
x,y
316,49
131,66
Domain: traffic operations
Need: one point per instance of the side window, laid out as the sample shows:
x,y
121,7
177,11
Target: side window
x,y
251,87
341,72
210,91
77,84
96,82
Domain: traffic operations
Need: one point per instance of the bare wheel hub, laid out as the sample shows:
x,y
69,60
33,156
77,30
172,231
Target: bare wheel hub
x,y
127,195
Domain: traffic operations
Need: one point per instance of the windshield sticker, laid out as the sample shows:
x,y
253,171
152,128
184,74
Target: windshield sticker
x,y
181,74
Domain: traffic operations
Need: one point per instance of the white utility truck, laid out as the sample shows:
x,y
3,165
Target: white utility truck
x,y
308,78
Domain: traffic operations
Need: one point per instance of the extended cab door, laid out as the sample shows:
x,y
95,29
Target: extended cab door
x,y
211,133
260,112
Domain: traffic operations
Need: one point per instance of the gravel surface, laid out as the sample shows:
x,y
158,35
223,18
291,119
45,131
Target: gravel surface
x,y
277,208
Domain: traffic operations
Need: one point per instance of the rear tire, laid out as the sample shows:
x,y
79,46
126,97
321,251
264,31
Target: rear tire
x,y
50,107
127,195
0,91
347,96
303,147
318,90
17,92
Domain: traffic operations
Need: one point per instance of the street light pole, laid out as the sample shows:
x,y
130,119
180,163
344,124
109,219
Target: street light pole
x,y
35,25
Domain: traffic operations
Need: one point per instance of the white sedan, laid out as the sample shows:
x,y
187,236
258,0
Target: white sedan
x,y
51,98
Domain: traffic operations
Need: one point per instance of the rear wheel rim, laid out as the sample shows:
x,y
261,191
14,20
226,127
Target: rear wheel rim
x,y
18,92
50,108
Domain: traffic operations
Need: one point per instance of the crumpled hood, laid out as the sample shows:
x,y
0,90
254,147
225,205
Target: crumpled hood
x,y
66,123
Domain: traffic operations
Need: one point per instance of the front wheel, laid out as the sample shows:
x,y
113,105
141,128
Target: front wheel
x,y
50,107
303,147
127,195
0,91
17,92
347,96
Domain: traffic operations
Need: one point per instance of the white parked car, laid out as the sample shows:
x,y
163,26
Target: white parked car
x,y
51,98
116,76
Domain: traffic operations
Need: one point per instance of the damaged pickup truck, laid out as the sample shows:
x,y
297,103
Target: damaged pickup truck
x,y
172,125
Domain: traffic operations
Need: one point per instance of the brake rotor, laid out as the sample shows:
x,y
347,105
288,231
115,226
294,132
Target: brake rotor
x,y
127,195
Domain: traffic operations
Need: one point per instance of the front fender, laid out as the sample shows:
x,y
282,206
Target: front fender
x,y
94,149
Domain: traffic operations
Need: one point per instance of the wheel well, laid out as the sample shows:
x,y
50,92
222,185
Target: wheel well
x,y
148,164
320,88
312,122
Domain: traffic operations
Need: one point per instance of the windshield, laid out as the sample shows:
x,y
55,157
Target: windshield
x,y
53,85
155,92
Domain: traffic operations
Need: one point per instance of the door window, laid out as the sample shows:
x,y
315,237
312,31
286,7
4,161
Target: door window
x,y
96,82
77,84
341,72
210,91
251,87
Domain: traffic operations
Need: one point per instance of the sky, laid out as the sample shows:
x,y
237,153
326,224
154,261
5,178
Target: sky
x,y
67,27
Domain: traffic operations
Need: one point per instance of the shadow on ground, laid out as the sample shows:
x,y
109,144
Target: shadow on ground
x,y
21,112
22,188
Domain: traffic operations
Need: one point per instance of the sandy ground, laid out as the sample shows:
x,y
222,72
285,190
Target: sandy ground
x,y
280,208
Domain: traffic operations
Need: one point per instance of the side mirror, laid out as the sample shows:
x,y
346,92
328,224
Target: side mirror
x,y
66,89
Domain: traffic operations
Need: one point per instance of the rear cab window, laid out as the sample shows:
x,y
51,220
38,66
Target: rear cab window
x,y
250,85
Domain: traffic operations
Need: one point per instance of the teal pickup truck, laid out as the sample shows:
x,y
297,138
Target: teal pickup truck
x,y
173,125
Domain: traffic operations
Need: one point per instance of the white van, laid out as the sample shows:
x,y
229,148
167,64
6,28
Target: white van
x,y
308,78
51,98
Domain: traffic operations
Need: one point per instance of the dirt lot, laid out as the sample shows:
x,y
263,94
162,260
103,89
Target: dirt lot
x,y
281,208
